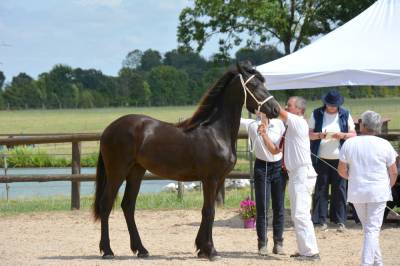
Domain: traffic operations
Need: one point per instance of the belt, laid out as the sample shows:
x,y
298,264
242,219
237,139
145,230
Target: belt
x,y
268,163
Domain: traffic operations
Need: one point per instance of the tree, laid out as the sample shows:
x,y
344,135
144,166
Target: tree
x,y
132,59
2,79
258,56
292,22
212,75
97,83
60,87
150,58
22,93
194,65
132,88
182,59
168,85
86,99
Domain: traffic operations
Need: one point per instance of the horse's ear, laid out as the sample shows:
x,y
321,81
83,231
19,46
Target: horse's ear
x,y
247,63
244,67
239,67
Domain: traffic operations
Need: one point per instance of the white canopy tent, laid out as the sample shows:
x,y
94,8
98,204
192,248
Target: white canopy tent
x,y
364,51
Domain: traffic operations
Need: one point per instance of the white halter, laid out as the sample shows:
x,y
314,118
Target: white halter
x,y
246,90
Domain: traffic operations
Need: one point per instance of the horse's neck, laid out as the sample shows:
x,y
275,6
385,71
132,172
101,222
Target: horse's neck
x,y
229,121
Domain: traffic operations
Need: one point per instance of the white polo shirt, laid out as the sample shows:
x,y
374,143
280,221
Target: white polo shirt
x,y
275,131
297,143
368,158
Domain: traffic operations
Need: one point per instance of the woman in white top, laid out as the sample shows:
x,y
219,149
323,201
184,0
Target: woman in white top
x,y
269,183
369,163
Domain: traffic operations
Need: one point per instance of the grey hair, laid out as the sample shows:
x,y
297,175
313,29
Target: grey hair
x,y
371,121
301,103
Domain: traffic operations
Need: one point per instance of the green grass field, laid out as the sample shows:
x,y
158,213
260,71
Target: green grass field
x,y
95,120
163,200
80,120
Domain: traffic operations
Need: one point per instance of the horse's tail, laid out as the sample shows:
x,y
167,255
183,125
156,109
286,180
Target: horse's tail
x,y
100,185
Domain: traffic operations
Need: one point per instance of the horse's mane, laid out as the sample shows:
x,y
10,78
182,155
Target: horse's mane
x,y
207,106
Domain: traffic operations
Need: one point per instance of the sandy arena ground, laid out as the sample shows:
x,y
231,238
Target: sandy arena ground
x,y
71,238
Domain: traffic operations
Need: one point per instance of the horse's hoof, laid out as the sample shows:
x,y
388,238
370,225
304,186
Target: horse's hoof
x,y
215,258
108,256
143,255
202,255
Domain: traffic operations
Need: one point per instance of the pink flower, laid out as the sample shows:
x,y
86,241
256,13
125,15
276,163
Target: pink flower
x,y
247,208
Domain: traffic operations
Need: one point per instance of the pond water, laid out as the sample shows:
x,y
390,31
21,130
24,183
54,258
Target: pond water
x,y
62,188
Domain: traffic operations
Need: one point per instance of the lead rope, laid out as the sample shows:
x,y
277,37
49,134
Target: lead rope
x,y
246,90
322,160
266,165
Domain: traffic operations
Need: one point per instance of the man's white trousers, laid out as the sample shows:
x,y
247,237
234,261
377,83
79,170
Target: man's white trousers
x,y
301,187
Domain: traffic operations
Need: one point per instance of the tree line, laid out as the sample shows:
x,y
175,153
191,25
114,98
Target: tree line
x,y
147,78
181,76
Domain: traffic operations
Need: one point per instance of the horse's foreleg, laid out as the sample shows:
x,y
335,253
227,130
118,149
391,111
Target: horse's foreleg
x,y
107,201
204,241
128,206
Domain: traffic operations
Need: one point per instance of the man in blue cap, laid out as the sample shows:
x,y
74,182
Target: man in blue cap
x,y
330,125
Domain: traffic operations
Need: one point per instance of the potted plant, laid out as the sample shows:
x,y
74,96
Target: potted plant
x,y
248,212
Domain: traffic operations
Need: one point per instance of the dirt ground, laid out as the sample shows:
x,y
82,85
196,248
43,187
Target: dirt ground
x,y
71,238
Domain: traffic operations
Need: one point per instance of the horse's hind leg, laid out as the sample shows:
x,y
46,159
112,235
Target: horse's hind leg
x,y
128,204
107,202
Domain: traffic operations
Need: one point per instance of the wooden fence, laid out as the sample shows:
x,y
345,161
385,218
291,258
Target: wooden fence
x,y
76,177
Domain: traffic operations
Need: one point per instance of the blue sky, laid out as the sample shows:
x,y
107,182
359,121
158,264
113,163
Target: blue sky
x,y
37,34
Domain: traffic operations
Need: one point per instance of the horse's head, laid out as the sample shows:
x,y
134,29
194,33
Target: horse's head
x,y
256,94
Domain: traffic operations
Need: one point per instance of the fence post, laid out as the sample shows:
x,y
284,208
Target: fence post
x,y
181,189
221,196
5,174
76,169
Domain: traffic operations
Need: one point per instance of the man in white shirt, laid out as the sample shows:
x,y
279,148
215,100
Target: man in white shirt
x,y
302,177
268,179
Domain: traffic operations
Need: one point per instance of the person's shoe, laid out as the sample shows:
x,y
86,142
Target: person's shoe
x,y
322,227
262,251
341,228
278,249
314,257
262,248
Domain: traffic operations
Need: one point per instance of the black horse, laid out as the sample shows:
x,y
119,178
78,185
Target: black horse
x,y
202,148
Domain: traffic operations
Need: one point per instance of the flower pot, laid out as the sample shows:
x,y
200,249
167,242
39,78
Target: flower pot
x,y
249,223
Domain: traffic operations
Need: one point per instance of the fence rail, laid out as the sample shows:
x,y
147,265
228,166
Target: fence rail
x,y
91,177
76,177
78,137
